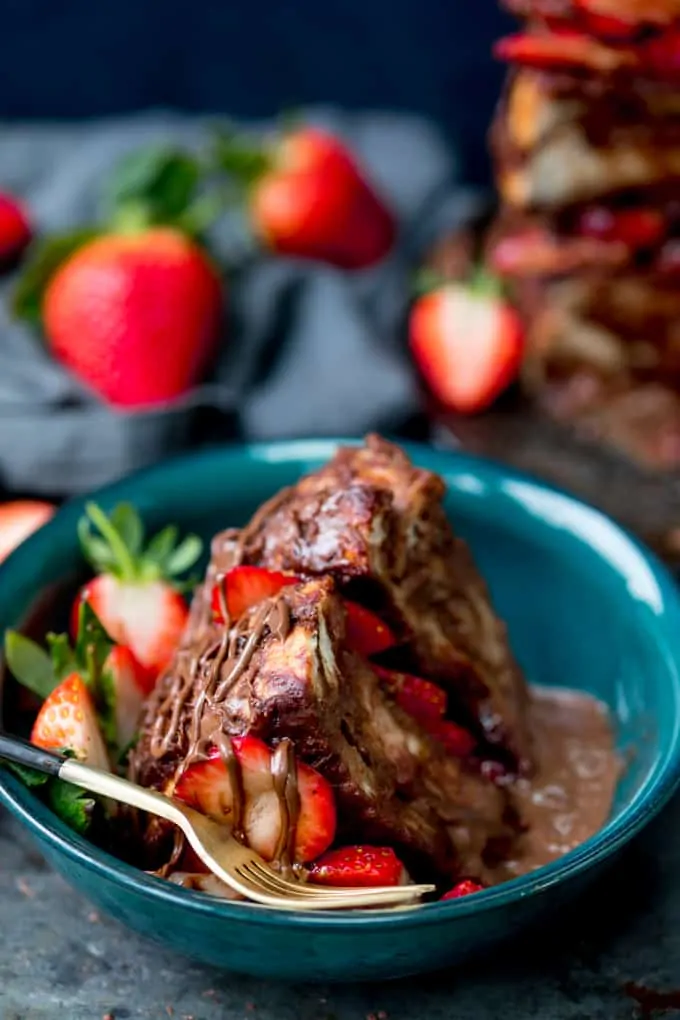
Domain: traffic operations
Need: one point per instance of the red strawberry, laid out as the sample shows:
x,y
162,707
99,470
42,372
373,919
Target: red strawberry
x,y
467,342
422,699
358,866
619,20
244,587
668,262
564,49
130,685
18,520
463,888
206,786
661,56
426,702
366,633
134,596
15,230
457,741
308,198
135,315
68,721
636,228
607,21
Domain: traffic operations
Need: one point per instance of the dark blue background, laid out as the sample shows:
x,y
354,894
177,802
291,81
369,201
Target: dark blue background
x,y
65,58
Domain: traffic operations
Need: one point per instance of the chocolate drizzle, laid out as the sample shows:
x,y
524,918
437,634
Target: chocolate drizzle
x,y
210,678
284,774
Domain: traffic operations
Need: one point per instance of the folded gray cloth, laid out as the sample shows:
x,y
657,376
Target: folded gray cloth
x,y
309,350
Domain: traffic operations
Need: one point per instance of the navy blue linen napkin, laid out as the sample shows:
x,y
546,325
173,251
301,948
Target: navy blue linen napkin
x,y
307,350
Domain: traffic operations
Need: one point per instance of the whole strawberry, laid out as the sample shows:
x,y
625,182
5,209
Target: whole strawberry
x,y
467,342
135,316
132,306
308,198
15,230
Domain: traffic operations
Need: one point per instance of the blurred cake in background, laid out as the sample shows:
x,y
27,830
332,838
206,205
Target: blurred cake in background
x,y
586,144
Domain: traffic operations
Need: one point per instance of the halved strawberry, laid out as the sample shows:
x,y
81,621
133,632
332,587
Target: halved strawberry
x,y
135,595
19,519
206,786
358,866
616,20
564,49
422,699
366,633
463,888
457,741
636,228
130,684
67,721
467,342
661,56
243,587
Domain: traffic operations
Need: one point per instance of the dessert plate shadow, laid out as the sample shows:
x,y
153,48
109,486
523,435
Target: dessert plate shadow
x,y
587,607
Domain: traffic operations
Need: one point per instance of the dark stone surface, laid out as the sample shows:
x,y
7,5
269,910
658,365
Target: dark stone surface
x,y
61,961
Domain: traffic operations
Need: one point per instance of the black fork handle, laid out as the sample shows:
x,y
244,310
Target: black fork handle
x,y
23,753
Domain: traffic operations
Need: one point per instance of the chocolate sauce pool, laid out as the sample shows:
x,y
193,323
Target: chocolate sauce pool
x,y
570,795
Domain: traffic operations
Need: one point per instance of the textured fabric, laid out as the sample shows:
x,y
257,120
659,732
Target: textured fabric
x,y
308,350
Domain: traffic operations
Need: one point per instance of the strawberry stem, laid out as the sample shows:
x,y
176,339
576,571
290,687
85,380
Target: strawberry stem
x,y
130,218
485,284
124,559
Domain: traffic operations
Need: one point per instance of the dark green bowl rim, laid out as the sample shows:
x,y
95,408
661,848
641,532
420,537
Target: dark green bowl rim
x,y
657,788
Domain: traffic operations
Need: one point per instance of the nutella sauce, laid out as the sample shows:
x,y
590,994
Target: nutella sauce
x,y
218,669
570,794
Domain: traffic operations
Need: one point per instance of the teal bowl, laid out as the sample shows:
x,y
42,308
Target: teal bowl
x,y
587,607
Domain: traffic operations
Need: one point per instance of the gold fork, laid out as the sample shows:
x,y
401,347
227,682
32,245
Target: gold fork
x,y
236,865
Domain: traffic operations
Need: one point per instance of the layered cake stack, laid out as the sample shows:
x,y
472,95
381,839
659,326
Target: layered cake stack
x,y
586,142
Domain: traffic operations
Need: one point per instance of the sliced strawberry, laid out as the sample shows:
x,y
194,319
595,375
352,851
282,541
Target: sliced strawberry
x,y
130,684
206,786
149,618
422,699
19,519
358,866
457,741
467,342
463,888
366,633
620,21
661,56
244,587
564,49
135,594
668,262
15,231
67,721
606,25
636,228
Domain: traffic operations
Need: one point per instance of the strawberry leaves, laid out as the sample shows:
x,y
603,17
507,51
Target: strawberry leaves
x,y
45,257
156,184
74,806
30,664
243,160
41,672
114,544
